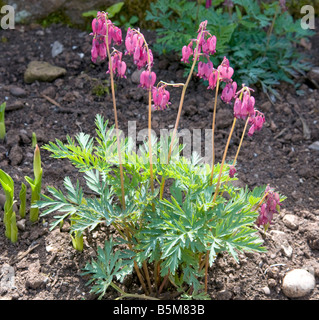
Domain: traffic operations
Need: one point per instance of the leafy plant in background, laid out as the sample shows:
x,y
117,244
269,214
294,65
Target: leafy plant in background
x,y
260,39
168,235
2,123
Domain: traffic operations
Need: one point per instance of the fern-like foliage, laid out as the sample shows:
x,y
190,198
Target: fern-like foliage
x,y
257,55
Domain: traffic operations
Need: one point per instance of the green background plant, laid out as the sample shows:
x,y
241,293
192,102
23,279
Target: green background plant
x,y
257,55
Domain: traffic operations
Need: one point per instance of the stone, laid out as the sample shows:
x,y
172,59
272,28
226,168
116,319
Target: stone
x,y
135,77
314,146
21,224
266,290
7,281
57,48
16,105
298,283
224,295
18,92
313,74
42,71
35,279
15,155
291,221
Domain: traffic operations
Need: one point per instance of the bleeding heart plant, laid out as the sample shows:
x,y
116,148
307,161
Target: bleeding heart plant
x,y
171,234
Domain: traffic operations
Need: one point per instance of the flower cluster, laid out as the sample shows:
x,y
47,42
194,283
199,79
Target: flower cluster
x,y
118,65
269,207
256,122
103,30
135,46
206,46
160,98
232,171
244,107
143,57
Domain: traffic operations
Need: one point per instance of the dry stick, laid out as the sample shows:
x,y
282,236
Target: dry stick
x,y
216,192
213,130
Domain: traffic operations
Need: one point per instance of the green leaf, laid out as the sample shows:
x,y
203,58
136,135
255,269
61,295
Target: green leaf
x,y
109,265
114,9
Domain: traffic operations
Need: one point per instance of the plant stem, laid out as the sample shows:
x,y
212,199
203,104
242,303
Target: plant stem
x,y
206,270
213,131
115,117
147,275
130,295
179,114
150,140
241,141
223,160
163,284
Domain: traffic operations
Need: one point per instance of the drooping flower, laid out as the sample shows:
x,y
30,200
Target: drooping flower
x,y
244,108
208,4
225,71
147,79
205,69
256,122
118,66
103,28
187,51
229,92
211,43
160,98
269,207
212,79
134,43
232,171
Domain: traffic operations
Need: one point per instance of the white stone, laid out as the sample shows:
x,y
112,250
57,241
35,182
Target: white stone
x,y
298,283
314,146
291,221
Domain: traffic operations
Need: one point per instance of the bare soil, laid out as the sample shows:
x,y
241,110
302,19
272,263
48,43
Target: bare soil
x,y
45,266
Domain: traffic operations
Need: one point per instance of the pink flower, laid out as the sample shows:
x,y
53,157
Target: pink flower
x,y
211,43
187,51
118,65
95,50
225,71
147,79
256,122
121,68
117,35
208,4
232,171
245,108
212,79
205,69
269,208
160,98
229,92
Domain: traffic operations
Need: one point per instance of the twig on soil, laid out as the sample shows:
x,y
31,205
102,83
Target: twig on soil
x,y
62,109
280,133
24,254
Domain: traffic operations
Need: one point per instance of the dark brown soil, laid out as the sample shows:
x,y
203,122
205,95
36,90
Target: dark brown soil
x,y
44,263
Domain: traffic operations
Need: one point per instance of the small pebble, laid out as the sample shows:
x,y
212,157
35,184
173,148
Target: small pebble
x,y
297,283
